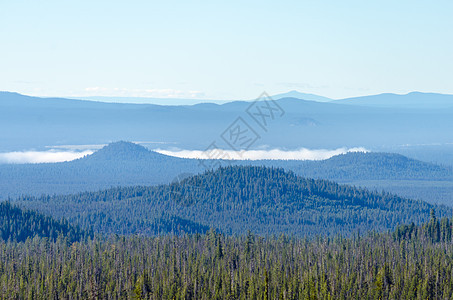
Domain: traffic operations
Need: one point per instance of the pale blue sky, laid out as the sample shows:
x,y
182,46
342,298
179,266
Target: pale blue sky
x,y
225,50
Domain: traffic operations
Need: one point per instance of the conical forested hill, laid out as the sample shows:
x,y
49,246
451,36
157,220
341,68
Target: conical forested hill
x,y
235,200
125,151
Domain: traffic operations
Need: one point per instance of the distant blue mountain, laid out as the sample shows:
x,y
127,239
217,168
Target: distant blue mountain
x,y
303,96
151,100
193,101
409,101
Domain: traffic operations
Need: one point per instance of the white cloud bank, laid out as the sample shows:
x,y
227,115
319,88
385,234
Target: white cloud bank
x,y
59,155
301,154
41,156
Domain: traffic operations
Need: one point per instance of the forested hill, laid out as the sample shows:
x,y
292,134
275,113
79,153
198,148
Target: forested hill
x,y
128,164
234,200
17,225
372,166
391,172
126,151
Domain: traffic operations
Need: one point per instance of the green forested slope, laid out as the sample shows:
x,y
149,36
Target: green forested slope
x,y
18,225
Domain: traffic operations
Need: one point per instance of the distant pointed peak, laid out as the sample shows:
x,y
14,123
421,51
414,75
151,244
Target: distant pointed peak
x,y
124,145
300,95
123,150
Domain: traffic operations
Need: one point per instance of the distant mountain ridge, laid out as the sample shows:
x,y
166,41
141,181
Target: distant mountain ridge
x,y
193,101
413,100
389,100
39,122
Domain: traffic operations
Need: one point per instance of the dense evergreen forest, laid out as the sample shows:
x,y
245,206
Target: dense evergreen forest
x,y
19,225
234,200
413,262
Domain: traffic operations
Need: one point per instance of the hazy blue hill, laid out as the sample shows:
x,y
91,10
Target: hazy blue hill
x,y
410,100
373,166
120,163
236,199
385,171
125,151
16,100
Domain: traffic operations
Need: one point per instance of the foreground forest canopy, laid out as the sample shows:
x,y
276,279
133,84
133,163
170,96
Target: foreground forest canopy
x,y
234,200
413,262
